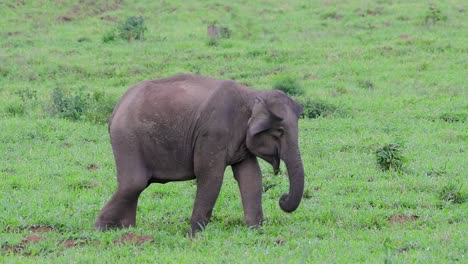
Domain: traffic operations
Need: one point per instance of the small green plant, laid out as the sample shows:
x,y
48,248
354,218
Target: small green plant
x,y
80,105
287,84
314,108
434,15
225,32
132,29
15,108
451,193
27,95
109,37
68,105
389,157
28,101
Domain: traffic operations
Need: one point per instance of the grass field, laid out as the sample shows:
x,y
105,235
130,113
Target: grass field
x,y
391,71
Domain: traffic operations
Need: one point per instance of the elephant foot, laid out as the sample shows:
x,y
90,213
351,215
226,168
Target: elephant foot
x,y
107,224
254,220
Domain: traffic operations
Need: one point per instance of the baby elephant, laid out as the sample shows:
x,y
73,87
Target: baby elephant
x,y
192,127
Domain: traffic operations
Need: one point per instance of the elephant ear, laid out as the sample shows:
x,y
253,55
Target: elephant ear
x,y
262,118
297,108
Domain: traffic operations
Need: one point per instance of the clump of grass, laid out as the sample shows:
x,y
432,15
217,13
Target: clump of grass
x,y
453,117
225,32
390,157
80,105
451,193
287,84
314,108
133,28
27,102
366,84
27,95
109,37
434,15
15,108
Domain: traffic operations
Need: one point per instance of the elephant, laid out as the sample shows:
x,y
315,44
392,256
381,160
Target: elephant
x,y
189,127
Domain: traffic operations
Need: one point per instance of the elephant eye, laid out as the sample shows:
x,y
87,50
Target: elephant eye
x,y
277,132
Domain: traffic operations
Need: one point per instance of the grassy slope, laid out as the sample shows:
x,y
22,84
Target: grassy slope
x,y
392,88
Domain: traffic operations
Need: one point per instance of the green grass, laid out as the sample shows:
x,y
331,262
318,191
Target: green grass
x,y
394,71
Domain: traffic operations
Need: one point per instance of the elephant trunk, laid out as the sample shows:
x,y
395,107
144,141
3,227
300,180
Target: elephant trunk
x,y
290,201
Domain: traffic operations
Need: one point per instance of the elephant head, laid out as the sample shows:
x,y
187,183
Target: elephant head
x,y
272,135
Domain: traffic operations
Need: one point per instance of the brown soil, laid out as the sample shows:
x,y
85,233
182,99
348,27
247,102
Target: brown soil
x,y
70,243
133,239
41,229
35,238
402,219
18,248
31,239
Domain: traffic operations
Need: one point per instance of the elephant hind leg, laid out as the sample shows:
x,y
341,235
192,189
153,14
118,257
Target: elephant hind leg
x,y
120,210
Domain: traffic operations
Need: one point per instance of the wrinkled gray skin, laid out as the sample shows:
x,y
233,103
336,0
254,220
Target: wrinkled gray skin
x,y
192,127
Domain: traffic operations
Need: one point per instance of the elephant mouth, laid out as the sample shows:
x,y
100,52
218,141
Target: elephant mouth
x,y
276,165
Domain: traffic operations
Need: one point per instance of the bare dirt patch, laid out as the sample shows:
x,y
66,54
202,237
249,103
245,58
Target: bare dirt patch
x,y
41,229
70,243
19,248
33,238
133,239
402,219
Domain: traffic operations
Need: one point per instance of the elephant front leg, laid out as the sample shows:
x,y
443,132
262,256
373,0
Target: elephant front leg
x,y
249,178
207,192
119,212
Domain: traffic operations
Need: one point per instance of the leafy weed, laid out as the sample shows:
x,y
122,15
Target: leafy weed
x,y
390,157
451,193
434,15
133,28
